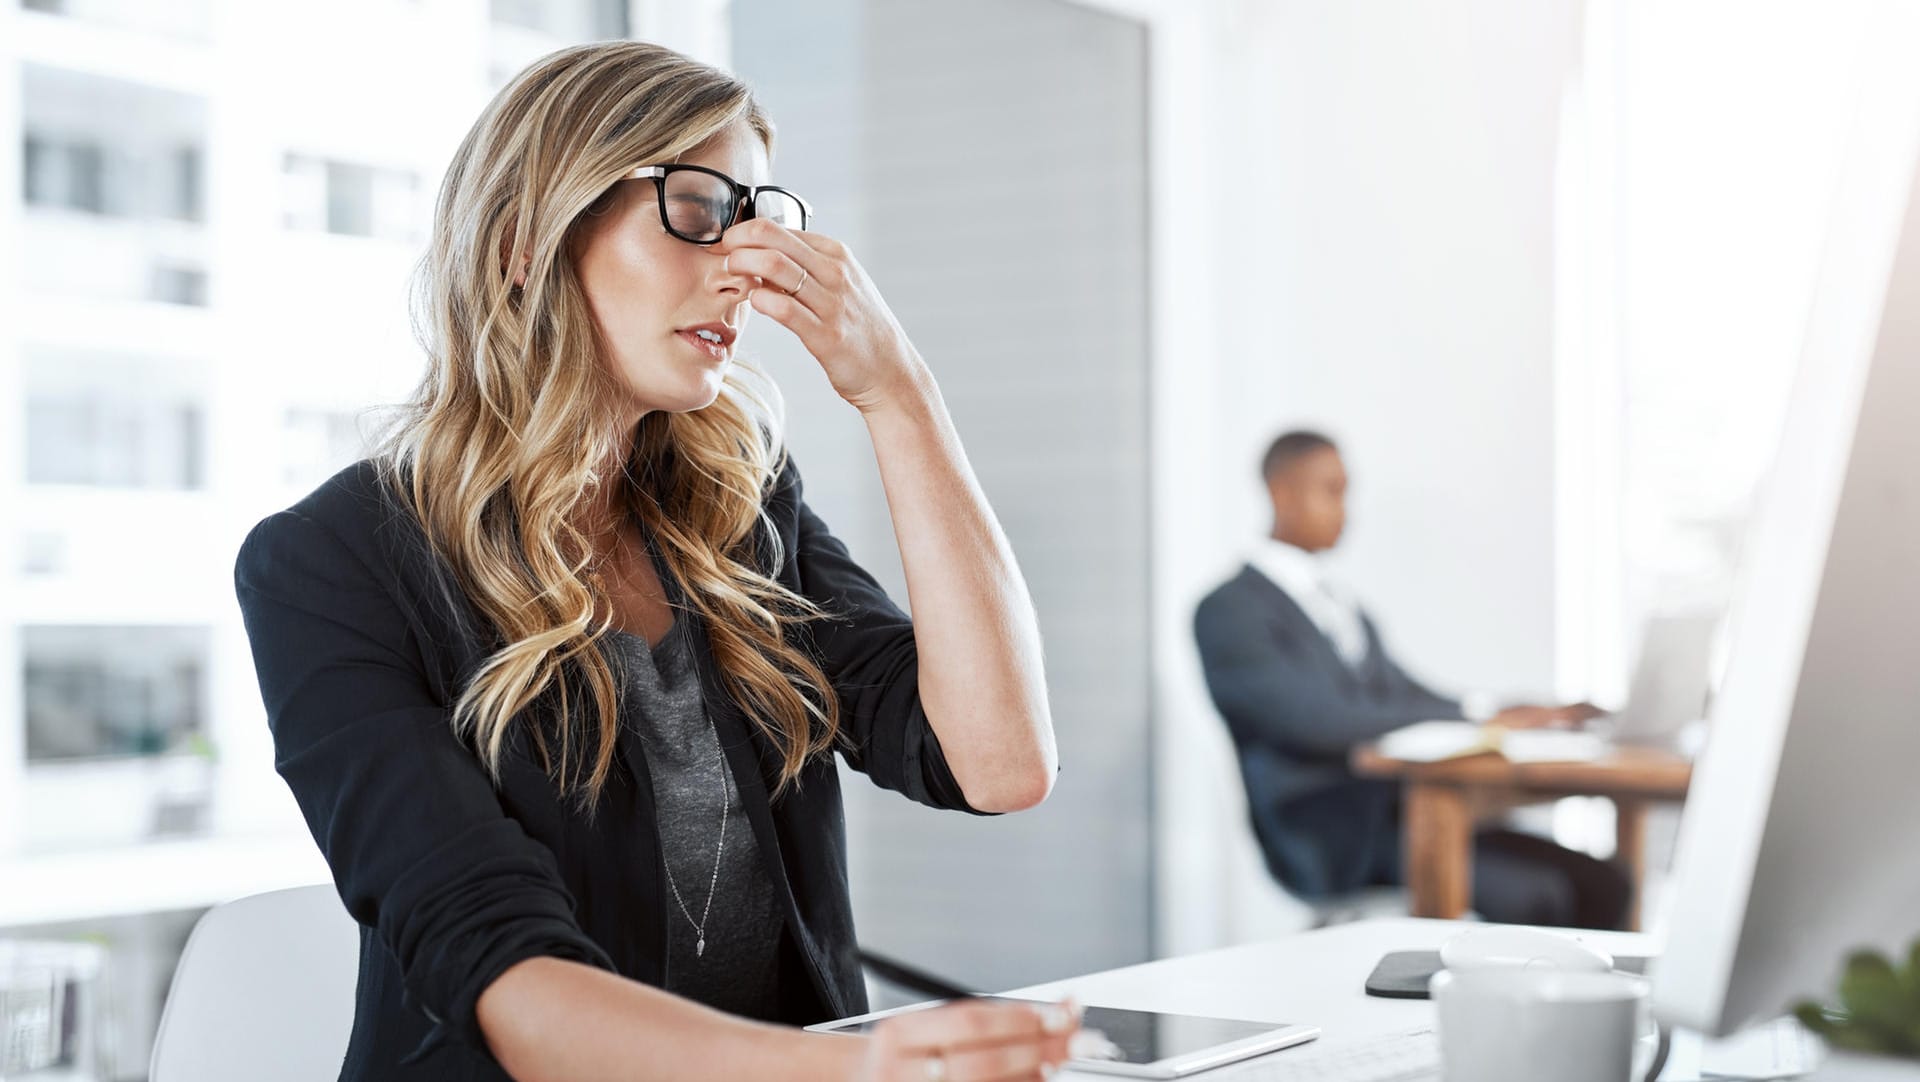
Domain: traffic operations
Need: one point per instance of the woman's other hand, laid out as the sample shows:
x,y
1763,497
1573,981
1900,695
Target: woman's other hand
x,y
971,1041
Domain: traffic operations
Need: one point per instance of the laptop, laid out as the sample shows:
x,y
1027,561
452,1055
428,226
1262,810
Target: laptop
x,y
1672,681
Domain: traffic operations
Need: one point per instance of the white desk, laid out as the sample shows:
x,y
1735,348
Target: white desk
x,y
1315,978
1319,979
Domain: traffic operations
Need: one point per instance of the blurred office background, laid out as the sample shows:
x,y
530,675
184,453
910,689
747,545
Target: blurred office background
x,y
1540,266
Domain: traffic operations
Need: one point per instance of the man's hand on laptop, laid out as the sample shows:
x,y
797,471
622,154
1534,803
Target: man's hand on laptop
x,y
1571,716
1578,714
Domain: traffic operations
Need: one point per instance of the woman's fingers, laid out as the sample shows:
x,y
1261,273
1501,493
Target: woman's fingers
x,y
788,312
835,310
817,254
969,1023
978,1041
777,269
993,1063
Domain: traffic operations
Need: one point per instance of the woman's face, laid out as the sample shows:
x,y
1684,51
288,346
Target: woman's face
x,y
649,290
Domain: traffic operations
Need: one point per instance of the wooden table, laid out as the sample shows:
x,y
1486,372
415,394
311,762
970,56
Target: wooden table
x,y
1446,800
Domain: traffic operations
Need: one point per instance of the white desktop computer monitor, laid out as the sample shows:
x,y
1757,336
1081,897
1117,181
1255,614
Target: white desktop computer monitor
x,y
1801,838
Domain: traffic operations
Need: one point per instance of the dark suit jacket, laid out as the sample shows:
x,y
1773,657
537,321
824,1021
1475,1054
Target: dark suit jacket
x,y
361,646
1295,710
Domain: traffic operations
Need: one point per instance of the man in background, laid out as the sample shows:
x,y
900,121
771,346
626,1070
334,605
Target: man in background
x,y
1301,676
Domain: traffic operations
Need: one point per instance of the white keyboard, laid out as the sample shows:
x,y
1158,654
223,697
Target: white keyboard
x,y
1412,1056
1782,1048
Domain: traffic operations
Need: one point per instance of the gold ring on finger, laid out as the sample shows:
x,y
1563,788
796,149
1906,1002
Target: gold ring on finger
x,y
802,284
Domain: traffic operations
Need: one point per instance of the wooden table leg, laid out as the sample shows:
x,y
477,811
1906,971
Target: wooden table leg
x,y
1630,850
1438,837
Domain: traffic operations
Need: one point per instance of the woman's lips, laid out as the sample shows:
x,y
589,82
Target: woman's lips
x,y
713,350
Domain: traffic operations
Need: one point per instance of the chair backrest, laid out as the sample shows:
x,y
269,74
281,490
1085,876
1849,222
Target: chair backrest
x,y
265,989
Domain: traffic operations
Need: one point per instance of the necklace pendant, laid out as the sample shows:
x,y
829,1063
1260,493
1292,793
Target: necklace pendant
x,y
700,948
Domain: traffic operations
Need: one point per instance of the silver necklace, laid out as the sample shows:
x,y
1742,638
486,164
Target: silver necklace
x,y
700,927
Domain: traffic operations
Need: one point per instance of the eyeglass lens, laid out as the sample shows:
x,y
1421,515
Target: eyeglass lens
x,y
700,206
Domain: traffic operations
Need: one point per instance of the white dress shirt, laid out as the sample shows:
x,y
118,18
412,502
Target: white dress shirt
x,y
1334,611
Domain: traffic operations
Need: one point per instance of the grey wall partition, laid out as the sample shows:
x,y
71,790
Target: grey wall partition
x,y
987,162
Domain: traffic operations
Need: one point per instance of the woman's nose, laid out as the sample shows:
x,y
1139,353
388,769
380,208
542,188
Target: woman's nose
x,y
729,280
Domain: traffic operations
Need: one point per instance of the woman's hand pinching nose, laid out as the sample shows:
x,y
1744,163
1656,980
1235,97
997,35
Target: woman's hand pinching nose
x,y
726,265
812,285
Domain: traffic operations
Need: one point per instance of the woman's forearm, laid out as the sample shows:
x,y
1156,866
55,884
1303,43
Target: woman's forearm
x,y
552,1019
981,679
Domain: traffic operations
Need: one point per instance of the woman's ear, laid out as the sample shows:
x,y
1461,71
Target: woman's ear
x,y
506,259
519,276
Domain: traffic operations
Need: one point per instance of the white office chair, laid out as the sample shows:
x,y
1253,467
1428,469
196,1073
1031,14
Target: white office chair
x,y
1261,908
265,989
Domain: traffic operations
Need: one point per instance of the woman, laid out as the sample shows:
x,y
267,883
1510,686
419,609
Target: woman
x,y
556,676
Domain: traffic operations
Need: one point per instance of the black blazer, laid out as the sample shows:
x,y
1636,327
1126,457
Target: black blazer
x,y
1295,710
361,645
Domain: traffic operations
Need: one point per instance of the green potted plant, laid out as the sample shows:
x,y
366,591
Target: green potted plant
x,y
1874,1032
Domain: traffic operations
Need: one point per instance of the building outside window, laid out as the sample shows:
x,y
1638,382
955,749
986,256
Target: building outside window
x,y
352,199
113,692
113,187
212,261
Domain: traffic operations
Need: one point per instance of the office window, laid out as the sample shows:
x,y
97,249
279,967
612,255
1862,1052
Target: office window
x,y
113,179
66,174
113,692
1692,291
122,527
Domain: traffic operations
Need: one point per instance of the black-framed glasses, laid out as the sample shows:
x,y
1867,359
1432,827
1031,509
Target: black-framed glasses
x,y
697,204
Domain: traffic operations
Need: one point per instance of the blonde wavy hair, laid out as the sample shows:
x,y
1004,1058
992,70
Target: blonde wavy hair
x,y
511,429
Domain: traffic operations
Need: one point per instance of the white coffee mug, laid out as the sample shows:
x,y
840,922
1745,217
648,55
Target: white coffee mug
x,y
1513,1024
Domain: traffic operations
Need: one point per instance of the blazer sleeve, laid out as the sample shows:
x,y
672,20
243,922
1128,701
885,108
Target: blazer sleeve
x,y
866,647
1272,691
419,846
1416,694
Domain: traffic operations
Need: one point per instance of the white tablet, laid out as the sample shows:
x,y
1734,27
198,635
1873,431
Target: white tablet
x,y
1152,1045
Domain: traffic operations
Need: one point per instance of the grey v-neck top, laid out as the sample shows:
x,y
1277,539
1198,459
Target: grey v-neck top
x,y
738,970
